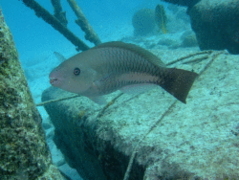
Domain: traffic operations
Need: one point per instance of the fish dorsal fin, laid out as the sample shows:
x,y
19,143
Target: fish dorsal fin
x,y
135,49
59,56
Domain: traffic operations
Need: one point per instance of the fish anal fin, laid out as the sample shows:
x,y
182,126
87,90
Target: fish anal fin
x,y
178,82
137,88
98,99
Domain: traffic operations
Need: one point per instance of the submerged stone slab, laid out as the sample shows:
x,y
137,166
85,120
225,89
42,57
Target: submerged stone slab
x,y
172,140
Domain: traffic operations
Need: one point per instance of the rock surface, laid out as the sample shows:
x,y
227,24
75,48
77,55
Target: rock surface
x,y
172,140
23,151
143,22
188,3
214,22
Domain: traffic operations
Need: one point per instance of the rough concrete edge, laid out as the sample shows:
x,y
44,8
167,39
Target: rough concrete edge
x,y
24,153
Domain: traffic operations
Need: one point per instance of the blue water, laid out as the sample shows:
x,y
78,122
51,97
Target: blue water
x,y
34,37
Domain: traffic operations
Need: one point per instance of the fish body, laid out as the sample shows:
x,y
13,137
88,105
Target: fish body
x,y
116,65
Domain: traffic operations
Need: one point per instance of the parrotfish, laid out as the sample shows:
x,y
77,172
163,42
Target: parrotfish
x,y
115,66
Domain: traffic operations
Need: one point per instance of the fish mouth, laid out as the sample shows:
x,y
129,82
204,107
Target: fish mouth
x,y
53,81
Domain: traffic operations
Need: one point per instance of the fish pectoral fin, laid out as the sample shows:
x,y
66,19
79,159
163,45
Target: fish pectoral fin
x,y
98,99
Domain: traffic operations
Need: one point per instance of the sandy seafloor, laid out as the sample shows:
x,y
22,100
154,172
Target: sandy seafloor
x,y
37,41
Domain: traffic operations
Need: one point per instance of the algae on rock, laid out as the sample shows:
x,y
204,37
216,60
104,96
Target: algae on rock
x,y
23,150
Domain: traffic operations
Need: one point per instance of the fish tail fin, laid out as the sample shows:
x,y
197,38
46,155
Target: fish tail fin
x,y
178,82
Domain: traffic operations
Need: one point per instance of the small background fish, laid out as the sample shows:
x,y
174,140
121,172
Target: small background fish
x,y
161,18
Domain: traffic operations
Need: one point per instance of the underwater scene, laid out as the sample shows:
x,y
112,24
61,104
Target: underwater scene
x,y
119,90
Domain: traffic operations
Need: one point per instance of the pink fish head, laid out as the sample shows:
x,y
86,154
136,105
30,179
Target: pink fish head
x,y
72,77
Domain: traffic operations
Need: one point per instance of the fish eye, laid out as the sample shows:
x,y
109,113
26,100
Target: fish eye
x,y
76,71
